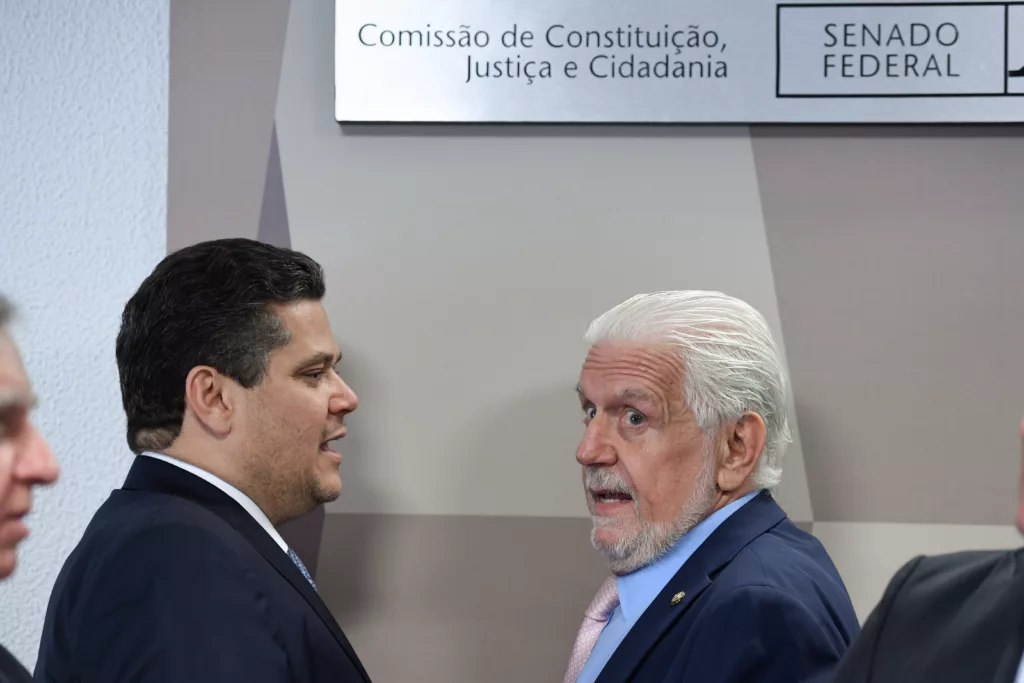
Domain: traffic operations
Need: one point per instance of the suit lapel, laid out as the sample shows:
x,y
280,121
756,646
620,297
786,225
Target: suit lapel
x,y
254,533
150,474
666,609
693,578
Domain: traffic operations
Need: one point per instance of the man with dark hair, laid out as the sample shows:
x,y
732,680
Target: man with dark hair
x,y
25,462
227,366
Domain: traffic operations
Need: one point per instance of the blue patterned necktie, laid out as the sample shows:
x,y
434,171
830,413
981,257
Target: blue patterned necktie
x,y
302,568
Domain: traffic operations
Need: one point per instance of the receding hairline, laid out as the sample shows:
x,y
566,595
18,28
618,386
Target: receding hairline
x,y
661,347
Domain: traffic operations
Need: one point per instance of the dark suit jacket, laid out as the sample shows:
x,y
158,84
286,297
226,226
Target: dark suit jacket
x,y
955,618
759,602
11,670
173,581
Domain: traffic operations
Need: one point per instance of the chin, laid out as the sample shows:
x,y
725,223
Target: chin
x,y
609,533
328,489
620,549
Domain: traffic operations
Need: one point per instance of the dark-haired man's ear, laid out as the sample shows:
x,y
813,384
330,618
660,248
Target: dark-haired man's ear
x,y
208,397
745,441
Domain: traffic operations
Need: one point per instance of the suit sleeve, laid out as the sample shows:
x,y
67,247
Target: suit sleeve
x,y
176,605
858,664
759,633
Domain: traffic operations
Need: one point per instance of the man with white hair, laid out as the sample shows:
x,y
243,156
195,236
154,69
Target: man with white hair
x,y
685,405
26,462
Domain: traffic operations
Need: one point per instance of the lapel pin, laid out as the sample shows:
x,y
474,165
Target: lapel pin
x,y
678,597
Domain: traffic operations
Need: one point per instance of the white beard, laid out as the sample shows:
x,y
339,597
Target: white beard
x,y
639,549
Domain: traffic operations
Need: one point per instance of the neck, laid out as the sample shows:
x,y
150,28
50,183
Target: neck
x,y
225,468
206,461
724,498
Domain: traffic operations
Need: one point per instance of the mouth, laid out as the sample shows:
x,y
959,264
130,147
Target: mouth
x,y
608,502
14,528
325,446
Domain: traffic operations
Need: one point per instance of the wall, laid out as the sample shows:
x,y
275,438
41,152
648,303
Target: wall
x,y
897,271
464,264
83,129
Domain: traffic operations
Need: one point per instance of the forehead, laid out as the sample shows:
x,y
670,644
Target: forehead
x,y
309,327
613,368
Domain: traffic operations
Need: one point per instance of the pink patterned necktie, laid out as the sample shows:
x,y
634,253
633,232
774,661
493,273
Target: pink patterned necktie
x,y
596,616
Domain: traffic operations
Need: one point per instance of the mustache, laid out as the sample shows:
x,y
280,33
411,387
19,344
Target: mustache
x,y
333,429
602,479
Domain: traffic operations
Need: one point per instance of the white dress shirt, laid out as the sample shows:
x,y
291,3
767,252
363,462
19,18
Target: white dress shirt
x,y
1020,672
245,501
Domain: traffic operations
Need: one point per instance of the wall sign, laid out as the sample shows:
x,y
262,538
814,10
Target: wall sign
x,y
678,61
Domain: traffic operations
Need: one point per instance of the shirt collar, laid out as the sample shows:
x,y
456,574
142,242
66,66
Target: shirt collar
x,y
638,589
245,501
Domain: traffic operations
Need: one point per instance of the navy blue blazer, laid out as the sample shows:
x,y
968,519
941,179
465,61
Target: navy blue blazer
x,y
759,602
174,581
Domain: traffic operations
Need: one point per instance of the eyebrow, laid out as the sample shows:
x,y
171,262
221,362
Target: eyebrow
x,y
637,394
628,394
320,358
17,398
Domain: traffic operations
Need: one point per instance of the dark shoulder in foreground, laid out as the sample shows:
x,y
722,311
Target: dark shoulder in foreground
x,y
952,617
933,572
930,591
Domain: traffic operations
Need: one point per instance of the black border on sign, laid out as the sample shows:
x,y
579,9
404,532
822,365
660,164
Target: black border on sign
x,y
1006,49
778,48
890,96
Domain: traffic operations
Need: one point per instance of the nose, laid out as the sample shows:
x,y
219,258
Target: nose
x,y
34,462
344,399
596,447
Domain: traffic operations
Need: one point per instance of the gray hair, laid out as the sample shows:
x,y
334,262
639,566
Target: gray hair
x,y
732,363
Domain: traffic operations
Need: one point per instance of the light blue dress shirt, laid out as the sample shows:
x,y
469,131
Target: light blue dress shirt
x,y
638,590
